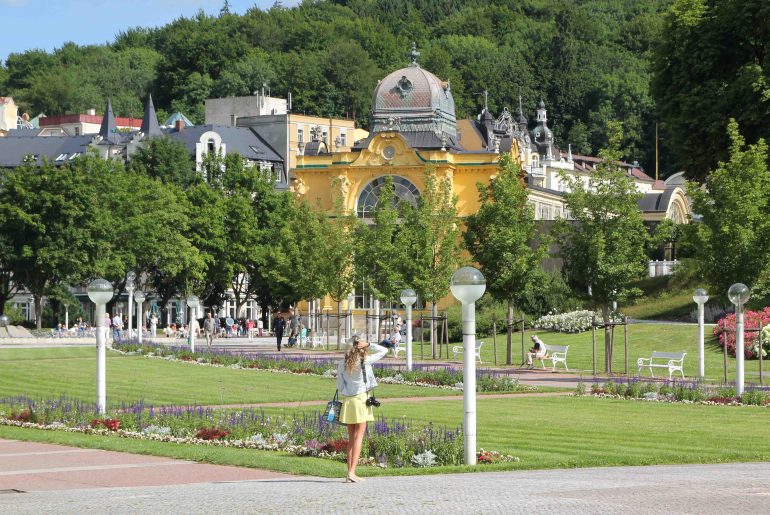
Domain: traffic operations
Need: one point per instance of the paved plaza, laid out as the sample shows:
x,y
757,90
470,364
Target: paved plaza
x,y
43,478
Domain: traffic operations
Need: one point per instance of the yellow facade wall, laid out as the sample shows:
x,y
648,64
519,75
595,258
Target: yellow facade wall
x,y
314,177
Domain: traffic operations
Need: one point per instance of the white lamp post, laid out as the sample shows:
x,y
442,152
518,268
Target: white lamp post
x,y
349,325
139,298
468,285
700,297
408,298
738,294
100,293
130,276
192,303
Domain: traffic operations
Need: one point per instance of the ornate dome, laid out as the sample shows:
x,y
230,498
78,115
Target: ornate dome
x,y
412,100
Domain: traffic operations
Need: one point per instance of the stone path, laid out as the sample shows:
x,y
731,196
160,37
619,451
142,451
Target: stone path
x,y
43,478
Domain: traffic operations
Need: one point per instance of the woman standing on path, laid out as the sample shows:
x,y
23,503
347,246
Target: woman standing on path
x,y
353,388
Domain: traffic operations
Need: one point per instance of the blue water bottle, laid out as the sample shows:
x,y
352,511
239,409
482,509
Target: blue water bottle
x,y
330,416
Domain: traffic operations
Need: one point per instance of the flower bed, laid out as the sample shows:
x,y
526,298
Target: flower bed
x,y
431,376
725,332
571,322
677,391
388,443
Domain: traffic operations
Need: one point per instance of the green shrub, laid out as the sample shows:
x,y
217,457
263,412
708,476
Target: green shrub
x,y
754,398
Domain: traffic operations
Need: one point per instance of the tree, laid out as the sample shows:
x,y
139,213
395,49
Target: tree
x,y
50,226
339,252
734,236
165,159
502,237
379,262
710,64
144,225
604,246
431,241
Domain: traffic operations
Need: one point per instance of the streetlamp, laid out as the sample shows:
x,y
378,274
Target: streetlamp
x,y
408,298
349,324
139,298
468,285
192,303
738,294
130,276
100,293
700,297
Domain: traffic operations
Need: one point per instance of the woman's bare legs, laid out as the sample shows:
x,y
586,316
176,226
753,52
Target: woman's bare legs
x,y
355,442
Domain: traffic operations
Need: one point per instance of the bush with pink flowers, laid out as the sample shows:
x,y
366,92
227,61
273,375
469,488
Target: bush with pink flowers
x,y
725,331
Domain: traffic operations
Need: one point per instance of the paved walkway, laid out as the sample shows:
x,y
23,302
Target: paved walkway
x,y
42,478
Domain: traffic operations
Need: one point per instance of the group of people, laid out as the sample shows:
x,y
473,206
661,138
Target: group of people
x,y
119,321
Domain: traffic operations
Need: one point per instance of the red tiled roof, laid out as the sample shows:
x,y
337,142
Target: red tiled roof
x,y
136,123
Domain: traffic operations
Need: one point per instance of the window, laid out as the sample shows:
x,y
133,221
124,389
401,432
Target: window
x,y
324,136
370,196
300,135
211,145
77,131
343,140
62,157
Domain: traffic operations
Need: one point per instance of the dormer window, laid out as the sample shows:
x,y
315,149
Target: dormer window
x,y
211,145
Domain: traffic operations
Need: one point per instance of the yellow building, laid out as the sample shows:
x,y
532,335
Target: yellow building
x,y
413,128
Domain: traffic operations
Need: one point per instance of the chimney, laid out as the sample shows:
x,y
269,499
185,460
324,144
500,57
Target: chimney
x,y
179,125
91,112
233,120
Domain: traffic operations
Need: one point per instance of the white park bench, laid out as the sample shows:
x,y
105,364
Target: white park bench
x,y
674,362
555,354
458,349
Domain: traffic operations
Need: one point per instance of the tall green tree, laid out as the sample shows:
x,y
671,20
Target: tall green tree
x,y
339,252
165,159
712,63
378,262
430,238
50,226
604,245
503,239
734,233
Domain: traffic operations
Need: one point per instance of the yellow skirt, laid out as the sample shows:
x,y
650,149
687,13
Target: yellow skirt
x,y
355,411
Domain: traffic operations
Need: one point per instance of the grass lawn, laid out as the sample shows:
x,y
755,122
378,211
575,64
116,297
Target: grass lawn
x,y
643,339
554,432
72,371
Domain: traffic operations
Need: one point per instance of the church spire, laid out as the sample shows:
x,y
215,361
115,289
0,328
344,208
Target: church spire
x,y
150,126
109,129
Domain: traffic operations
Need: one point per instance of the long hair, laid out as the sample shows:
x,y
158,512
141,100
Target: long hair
x,y
353,356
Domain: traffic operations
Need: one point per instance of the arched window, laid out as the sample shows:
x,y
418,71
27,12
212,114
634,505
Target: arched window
x,y
405,191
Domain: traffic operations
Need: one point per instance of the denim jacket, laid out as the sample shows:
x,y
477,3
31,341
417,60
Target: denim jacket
x,y
352,383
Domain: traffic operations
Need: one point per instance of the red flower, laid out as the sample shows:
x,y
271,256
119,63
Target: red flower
x,y
211,433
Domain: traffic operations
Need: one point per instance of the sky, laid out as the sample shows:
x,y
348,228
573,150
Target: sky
x,y
48,24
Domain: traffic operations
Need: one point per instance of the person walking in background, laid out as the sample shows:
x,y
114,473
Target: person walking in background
x,y
208,329
260,326
279,325
353,387
153,325
117,327
250,328
107,323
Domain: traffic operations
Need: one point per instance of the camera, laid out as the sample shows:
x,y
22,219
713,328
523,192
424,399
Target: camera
x,y
371,401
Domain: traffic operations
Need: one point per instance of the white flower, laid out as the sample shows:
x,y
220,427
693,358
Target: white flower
x,y
425,459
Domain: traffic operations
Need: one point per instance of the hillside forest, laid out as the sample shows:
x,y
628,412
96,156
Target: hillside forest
x,y
685,66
